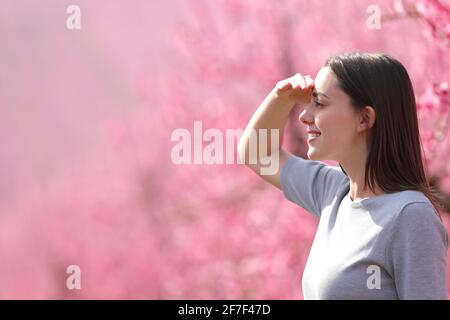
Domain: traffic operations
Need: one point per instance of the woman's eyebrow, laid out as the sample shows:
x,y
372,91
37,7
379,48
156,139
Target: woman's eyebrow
x,y
315,94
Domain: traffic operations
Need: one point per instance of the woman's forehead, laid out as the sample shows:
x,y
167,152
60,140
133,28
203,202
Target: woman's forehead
x,y
327,83
325,80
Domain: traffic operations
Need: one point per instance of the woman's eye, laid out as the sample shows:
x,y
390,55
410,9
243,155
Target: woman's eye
x,y
317,103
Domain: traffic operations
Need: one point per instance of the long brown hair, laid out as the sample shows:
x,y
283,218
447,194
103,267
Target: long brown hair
x,y
394,162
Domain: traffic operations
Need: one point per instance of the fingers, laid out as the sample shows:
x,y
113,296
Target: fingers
x,y
302,82
295,82
298,80
284,85
309,81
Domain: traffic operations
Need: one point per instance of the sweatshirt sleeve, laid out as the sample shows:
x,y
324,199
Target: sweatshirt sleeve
x,y
418,252
310,184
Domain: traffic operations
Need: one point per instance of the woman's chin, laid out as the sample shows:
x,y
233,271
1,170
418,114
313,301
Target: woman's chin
x,y
314,155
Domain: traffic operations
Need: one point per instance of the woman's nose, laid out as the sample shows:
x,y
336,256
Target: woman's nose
x,y
305,118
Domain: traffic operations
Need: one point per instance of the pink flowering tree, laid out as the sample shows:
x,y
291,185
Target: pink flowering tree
x,y
140,226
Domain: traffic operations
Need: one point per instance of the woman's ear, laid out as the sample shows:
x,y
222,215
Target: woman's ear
x,y
367,117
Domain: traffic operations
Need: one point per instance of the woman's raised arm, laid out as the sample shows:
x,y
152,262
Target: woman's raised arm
x,y
260,146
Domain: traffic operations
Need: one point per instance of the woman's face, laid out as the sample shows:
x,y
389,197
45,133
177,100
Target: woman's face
x,y
330,112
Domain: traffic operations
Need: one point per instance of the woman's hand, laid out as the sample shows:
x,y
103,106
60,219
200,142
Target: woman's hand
x,y
297,89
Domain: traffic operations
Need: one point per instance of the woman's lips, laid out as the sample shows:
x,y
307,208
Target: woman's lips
x,y
312,137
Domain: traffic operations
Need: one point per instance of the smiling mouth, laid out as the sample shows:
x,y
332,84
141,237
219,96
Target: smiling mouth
x,y
312,137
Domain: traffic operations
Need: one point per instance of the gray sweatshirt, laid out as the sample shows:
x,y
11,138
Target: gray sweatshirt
x,y
391,246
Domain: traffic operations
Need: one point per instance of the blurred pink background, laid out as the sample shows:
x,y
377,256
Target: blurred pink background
x,y
87,115
58,85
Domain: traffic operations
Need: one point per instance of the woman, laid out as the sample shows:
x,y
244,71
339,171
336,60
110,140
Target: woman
x,y
380,235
